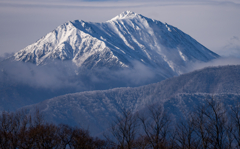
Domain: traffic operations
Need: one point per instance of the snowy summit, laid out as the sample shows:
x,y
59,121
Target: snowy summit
x,y
124,15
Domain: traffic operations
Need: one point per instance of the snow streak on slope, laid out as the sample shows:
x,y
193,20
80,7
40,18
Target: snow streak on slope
x,y
117,43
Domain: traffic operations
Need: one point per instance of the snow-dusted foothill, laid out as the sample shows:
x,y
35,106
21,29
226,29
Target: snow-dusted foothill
x,y
96,110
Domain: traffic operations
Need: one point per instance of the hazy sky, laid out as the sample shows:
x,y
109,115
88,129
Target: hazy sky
x,y
215,24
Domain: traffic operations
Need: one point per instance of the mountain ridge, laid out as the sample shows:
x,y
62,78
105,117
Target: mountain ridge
x,y
178,95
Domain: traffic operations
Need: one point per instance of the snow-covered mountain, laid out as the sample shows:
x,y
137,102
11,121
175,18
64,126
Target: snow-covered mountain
x,y
121,42
97,109
127,51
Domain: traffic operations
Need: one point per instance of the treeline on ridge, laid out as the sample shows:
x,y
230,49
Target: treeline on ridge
x,y
211,126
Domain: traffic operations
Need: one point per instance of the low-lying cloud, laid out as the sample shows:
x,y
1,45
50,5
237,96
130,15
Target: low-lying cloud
x,y
51,76
222,61
65,74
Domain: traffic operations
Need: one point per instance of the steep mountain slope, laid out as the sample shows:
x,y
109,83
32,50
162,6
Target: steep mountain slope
x,y
96,109
118,43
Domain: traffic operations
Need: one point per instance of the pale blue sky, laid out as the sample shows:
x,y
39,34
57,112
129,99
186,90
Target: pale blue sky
x,y
215,24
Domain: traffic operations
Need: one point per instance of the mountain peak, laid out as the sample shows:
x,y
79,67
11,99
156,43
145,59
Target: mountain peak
x,y
125,14
127,38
